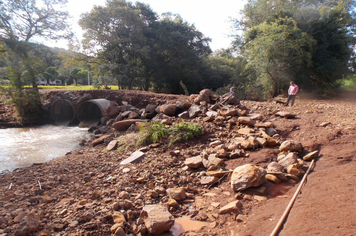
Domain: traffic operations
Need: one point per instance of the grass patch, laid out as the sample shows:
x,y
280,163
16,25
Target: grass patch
x,y
154,132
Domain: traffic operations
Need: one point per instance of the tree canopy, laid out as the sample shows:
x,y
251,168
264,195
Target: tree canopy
x,y
315,50
142,49
21,23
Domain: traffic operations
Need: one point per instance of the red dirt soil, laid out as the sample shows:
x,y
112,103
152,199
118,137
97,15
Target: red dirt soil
x,y
327,203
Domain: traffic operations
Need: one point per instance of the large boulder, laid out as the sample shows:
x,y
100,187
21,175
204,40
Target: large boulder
x,y
29,224
290,145
195,110
247,176
233,101
157,219
201,98
167,109
246,120
290,159
184,105
125,124
177,194
150,111
112,109
206,92
232,207
275,167
194,162
226,111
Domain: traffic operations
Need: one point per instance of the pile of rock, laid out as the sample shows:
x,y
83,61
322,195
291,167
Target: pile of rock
x,y
245,132
103,193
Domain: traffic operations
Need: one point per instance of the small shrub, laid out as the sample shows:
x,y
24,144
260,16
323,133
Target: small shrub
x,y
27,103
154,132
151,132
183,132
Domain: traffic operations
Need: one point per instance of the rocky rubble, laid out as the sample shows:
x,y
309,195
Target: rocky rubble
x,y
111,188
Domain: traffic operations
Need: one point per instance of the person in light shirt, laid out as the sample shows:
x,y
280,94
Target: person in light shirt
x,y
292,91
232,90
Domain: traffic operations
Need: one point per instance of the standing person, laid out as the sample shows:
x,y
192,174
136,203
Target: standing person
x,y
292,91
232,90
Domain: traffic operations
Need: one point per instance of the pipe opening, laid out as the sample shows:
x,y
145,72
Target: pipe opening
x,y
62,112
91,111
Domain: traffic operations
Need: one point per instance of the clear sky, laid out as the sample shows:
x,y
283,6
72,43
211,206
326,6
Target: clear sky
x,y
209,17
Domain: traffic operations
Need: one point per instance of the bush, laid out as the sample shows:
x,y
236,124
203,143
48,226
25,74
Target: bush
x,y
27,103
154,132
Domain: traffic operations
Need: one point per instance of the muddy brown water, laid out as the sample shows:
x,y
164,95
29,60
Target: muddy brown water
x,y
21,147
184,224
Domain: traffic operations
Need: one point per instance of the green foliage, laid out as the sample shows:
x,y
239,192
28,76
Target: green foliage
x,y
183,132
27,104
276,52
139,49
20,22
315,50
221,69
154,132
348,83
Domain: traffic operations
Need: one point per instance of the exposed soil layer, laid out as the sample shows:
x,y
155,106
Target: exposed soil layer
x,y
91,179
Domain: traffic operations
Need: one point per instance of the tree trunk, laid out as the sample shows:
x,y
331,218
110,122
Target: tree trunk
x,y
147,83
274,92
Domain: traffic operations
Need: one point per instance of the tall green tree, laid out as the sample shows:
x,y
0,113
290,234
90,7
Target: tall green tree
x,y
142,50
21,23
329,23
115,33
50,74
277,51
178,51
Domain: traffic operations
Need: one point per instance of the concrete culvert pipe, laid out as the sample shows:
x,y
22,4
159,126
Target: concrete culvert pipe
x,y
62,112
91,111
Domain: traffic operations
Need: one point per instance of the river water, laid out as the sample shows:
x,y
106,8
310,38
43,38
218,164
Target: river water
x,y
20,147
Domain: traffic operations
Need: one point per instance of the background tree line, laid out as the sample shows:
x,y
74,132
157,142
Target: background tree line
x,y
311,42
129,45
